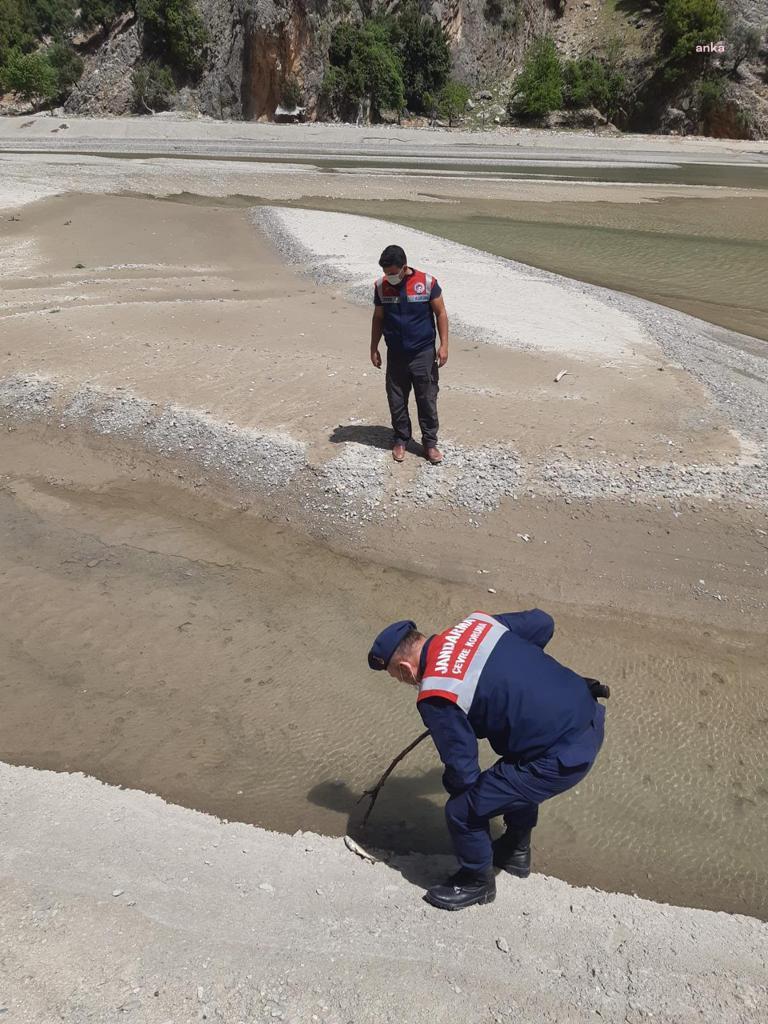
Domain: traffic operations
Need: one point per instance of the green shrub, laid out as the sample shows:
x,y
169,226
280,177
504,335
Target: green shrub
x,y
153,87
493,11
292,95
538,89
13,29
452,101
25,23
711,93
422,48
67,65
29,75
744,44
174,33
364,70
49,18
101,13
386,62
688,23
504,13
588,82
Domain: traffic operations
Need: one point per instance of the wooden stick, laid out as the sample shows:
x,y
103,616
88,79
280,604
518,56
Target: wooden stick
x,y
373,793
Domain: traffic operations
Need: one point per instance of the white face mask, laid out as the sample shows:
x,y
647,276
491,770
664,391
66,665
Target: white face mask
x,y
393,278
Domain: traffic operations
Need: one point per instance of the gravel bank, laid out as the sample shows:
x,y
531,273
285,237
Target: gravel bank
x,y
203,135
359,485
178,917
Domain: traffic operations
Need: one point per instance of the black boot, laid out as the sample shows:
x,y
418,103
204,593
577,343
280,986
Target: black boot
x,y
464,889
512,852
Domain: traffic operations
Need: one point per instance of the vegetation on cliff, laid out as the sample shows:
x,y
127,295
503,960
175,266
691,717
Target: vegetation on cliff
x,y
699,49
387,62
42,73
361,60
39,63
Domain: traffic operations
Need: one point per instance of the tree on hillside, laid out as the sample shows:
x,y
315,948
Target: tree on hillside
x,y
49,18
174,33
364,76
67,65
538,89
588,82
292,95
153,87
424,56
13,31
29,75
744,44
688,23
452,101
102,13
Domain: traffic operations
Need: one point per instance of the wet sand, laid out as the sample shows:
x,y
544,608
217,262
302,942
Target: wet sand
x,y
155,637
218,659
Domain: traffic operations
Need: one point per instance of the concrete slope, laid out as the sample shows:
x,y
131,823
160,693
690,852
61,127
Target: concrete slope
x,y
117,906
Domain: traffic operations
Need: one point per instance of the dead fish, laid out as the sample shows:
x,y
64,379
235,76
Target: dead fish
x,y
357,848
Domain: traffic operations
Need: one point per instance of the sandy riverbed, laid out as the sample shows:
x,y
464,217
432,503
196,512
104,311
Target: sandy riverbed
x,y
184,372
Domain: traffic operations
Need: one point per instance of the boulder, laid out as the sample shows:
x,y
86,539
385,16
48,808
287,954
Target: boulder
x,y
586,117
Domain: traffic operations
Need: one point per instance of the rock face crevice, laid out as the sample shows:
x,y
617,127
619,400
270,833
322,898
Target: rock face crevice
x,y
271,53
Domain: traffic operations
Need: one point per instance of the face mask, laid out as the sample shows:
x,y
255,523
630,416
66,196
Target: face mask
x,y
393,278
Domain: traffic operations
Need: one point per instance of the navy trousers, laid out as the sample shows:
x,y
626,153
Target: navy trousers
x,y
514,790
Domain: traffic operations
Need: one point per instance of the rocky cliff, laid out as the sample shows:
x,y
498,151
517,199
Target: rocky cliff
x,y
256,44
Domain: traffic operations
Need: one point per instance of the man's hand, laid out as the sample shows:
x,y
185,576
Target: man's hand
x,y
376,358
442,355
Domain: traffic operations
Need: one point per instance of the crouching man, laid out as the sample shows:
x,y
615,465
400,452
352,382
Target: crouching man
x,y
488,678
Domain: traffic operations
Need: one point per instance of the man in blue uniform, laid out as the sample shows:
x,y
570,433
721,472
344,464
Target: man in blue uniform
x,y
409,310
488,677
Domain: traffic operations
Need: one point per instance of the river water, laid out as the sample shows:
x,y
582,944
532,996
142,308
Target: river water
x,y
220,661
704,256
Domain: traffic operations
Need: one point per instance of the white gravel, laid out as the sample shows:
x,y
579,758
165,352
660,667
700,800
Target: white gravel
x,y
509,304
359,484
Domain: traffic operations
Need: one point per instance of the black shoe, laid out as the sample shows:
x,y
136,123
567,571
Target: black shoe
x,y
464,889
512,852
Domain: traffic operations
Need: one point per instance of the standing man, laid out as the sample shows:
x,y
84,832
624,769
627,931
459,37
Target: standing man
x,y
489,678
406,303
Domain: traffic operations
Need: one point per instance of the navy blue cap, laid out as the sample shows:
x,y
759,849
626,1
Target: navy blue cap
x,y
386,643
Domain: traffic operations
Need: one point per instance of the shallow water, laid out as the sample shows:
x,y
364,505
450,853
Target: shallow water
x,y
598,168
707,257
217,659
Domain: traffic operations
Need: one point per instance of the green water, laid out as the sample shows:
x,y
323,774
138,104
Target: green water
x,y
704,256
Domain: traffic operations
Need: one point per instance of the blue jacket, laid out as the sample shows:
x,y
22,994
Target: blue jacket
x,y
526,704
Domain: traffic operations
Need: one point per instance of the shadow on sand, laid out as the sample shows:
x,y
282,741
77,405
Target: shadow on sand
x,y
405,820
371,435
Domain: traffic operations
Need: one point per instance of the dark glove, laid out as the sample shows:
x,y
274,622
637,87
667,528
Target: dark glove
x,y
598,689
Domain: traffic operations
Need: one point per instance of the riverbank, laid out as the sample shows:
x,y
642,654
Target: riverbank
x,y
683,227
202,131
191,384
194,449
177,917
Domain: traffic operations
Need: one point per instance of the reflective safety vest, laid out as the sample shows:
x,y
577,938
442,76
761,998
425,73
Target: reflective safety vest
x,y
417,287
409,323
457,657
